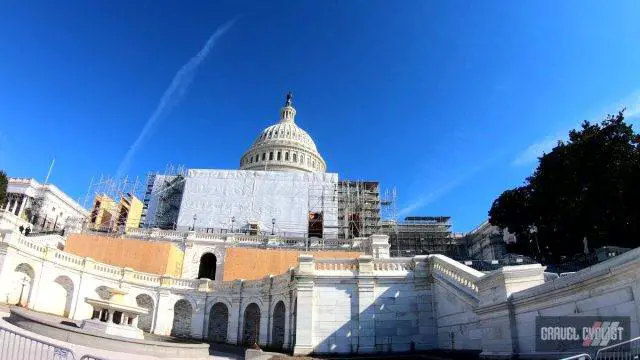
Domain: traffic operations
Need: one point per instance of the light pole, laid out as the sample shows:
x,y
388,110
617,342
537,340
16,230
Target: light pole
x,y
23,282
195,217
273,226
233,220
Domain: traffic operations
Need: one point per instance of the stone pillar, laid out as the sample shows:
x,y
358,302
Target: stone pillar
x,y
234,313
135,321
366,305
426,338
197,319
14,205
304,288
109,316
23,204
380,246
497,320
164,313
124,319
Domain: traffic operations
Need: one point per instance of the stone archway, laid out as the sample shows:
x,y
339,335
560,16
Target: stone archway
x,y
218,322
65,289
207,267
278,326
145,321
23,280
251,325
182,313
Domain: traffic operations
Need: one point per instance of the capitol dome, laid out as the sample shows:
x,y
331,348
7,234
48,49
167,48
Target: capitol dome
x,y
284,147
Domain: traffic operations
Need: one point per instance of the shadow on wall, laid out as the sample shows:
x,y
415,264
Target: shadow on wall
x,y
393,317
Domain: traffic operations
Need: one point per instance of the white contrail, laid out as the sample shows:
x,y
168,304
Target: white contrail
x,y
173,94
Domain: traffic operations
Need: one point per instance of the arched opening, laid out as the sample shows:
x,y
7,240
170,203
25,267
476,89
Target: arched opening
x,y
277,331
207,269
182,313
145,320
23,282
63,295
251,325
218,323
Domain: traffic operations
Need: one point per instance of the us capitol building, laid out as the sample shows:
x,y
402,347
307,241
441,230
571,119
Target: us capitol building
x,y
278,254
282,187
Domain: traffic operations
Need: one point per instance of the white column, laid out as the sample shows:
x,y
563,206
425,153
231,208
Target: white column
x,y
135,321
110,318
123,319
197,318
14,206
234,313
304,322
23,204
263,336
164,313
366,309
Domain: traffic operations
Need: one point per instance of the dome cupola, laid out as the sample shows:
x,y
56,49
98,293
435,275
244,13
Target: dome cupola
x,y
284,147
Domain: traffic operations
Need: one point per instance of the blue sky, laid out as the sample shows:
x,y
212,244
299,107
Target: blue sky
x,y
448,101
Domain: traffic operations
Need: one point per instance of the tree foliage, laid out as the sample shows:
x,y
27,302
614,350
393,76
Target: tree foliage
x,y
587,186
3,187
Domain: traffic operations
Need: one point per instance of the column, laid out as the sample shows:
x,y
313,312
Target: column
x,y
135,321
304,323
110,318
124,319
197,319
426,338
163,309
14,204
23,204
366,305
234,313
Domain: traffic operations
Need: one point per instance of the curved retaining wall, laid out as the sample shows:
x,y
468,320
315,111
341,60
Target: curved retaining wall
x,y
77,336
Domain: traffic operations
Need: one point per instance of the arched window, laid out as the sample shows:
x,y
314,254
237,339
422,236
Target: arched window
x,y
295,157
271,155
207,267
182,314
279,155
286,156
264,156
251,159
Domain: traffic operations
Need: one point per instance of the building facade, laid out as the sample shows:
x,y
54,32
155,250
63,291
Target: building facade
x,y
43,205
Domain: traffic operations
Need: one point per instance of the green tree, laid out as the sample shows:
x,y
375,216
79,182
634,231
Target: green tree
x,y
586,187
3,187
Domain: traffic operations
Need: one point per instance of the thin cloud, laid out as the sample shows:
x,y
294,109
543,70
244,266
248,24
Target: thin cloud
x,y
173,94
531,154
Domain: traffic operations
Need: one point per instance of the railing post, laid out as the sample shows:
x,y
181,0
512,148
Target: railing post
x,y
304,287
366,305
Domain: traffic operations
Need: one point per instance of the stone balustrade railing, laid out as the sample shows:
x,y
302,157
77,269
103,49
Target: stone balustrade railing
x,y
322,265
393,265
235,239
456,273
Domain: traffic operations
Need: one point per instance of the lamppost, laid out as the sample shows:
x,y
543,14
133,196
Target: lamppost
x,y
233,220
273,226
23,282
195,217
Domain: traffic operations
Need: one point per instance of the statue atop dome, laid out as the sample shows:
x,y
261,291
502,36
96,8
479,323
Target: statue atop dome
x,y
289,99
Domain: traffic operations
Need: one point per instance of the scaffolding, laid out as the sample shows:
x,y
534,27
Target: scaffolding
x,y
112,200
162,198
420,235
358,208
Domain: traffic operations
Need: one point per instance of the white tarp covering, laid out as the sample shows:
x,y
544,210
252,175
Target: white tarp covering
x,y
216,196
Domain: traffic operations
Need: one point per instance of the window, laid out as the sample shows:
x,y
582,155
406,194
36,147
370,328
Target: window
x,y
264,156
257,157
271,155
251,159
279,155
286,156
295,157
